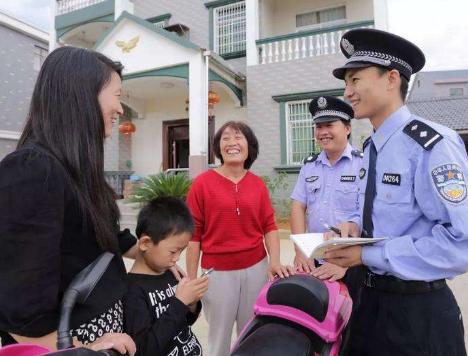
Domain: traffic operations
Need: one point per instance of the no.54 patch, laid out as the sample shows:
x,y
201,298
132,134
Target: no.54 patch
x,y
449,182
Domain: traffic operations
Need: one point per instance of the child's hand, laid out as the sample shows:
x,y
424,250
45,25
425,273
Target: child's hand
x,y
191,291
178,272
329,271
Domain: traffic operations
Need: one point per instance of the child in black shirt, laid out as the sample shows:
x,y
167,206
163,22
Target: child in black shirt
x,y
158,311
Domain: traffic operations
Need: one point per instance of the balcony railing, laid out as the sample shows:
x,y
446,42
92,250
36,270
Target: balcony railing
x,y
66,6
116,180
304,44
177,170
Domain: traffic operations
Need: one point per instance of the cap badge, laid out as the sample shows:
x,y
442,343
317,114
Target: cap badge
x,y
322,102
347,46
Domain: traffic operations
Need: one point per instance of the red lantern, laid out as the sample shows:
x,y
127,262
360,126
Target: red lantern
x,y
127,128
213,99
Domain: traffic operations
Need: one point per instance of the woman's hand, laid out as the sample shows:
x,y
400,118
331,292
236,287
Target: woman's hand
x,y
120,342
329,271
277,269
302,263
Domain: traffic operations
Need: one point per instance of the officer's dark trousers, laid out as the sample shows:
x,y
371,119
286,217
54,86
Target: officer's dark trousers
x,y
354,280
407,324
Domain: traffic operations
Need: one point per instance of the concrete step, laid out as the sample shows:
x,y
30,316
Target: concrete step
x,y
128,208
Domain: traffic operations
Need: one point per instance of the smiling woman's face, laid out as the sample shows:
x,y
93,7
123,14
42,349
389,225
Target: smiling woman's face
x,y
234,147
109,101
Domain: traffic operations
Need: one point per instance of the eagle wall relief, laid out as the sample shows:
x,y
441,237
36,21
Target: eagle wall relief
x,y
127,46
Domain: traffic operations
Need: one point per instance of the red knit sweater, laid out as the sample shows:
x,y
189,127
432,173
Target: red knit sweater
x,y
230,220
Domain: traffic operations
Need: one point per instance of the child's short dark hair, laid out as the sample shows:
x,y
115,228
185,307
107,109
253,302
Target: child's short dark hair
x,y
163,217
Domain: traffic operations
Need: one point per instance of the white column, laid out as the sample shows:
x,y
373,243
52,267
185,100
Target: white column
x,y
381,14
121,6
198,113
52,32
252,31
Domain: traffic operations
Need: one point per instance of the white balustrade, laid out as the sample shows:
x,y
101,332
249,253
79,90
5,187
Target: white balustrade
x,y
66,6
288,48
296,48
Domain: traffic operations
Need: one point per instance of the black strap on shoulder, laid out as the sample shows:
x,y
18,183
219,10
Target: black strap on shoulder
x,y
423,134
366,142
310,159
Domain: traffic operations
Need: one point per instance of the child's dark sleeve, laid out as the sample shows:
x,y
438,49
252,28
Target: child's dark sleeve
x,y
192,317
152,336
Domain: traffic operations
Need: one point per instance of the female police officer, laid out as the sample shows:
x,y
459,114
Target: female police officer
x,y
414,178
327,184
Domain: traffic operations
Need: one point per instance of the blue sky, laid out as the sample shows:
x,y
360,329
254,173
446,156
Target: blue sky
x,y
439,27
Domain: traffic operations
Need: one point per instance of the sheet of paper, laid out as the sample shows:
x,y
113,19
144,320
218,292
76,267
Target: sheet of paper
x,y
307,243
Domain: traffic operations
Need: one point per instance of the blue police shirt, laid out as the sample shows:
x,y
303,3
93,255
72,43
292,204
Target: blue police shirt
x,y
329,192
420,202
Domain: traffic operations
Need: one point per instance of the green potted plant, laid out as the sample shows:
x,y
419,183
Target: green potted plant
x,y
161,185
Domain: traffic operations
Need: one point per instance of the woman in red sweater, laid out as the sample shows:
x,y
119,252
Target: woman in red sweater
x,y
234,222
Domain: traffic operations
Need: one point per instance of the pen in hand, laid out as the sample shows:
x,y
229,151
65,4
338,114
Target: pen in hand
x,y
332,228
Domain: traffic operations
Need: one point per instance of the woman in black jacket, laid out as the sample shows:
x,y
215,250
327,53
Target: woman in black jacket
x,y
57,213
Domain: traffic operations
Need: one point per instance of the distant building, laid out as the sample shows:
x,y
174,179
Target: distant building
x,y
23,51
439,84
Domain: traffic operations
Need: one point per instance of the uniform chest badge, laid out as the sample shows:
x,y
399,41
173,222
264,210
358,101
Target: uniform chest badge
x,y
311,179
362,173
391,178
449,182
348,179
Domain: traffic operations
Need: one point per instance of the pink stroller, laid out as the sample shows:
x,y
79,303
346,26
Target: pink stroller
x,y
78,292
299,315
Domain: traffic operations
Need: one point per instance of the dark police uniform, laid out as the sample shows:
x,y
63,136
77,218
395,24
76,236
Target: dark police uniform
x,y
414,179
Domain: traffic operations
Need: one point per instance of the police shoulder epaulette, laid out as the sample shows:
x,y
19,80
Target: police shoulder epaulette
x,y
357,153
310,159
423,134
366,142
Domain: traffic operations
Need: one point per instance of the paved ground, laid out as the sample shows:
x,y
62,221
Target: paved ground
x,y
458,285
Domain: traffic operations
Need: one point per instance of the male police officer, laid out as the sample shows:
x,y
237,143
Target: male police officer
x,y
327,186
414,178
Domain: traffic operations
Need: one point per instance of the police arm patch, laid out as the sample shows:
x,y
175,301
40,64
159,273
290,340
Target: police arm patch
x,y
450,182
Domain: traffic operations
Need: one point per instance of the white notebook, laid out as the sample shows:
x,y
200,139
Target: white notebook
x,y
313,245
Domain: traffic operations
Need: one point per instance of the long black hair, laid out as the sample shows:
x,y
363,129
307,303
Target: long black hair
x,y
65,118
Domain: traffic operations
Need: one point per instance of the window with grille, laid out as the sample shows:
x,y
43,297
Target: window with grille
x,y
299,130
323,18
456,91
229,28
39,56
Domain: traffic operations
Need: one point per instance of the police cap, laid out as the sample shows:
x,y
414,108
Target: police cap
x,y
329,108
370,47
